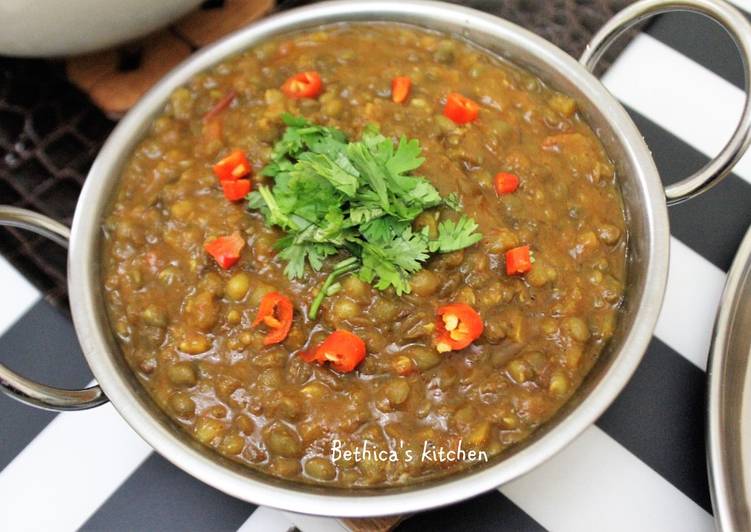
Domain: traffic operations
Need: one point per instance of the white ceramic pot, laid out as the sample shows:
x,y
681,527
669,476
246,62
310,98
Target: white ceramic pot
x,y
41,28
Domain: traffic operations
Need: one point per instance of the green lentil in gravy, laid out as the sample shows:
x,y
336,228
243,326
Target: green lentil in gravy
x,y
185,325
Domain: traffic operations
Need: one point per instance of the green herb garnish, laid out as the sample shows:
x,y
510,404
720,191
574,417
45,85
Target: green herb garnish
x,y
333,196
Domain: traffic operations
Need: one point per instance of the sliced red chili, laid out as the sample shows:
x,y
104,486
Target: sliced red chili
x,y
341,349
233,166
457,326
303,85
460,109
236,190
518,260
400,87
505,183
226,249
275,312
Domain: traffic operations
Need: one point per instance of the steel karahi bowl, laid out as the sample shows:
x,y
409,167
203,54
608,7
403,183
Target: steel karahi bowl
x,y
43,28
646,212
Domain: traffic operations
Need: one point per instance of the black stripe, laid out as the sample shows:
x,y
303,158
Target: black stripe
x,y
491,511
712,224
659,417
41,345
702,40
159,496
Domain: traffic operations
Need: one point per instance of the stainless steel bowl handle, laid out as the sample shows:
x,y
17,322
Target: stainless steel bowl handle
x,y
13,384
739,29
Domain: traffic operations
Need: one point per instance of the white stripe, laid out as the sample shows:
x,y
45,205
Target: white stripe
x,y
595,484
266,520
665,86
691,300
60,479
678,94
17,295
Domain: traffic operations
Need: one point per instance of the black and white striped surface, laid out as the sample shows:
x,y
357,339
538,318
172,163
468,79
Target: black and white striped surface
x,y
640,467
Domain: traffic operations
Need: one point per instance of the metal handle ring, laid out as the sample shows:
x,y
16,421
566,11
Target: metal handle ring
x,y
739,29
13,384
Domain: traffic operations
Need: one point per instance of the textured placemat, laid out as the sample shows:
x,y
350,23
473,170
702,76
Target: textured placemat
x,y
49,136
50,132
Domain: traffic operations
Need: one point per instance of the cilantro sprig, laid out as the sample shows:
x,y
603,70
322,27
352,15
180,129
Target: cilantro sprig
x,y
334,196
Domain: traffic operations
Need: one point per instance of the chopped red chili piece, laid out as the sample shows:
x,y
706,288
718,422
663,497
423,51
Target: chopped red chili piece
x,y
518,260
505,183
457,326
309,356
400,87
303,85
226,249
276,312
460,109
342,349
233,166
236,190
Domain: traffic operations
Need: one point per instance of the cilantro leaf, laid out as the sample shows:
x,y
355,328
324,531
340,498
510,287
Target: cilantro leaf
x,y
295,121
453,236
406,157
370,171
332,196
296,254
381,273
364,213
407,250
424,194
323,166
301,136
255,201
453,202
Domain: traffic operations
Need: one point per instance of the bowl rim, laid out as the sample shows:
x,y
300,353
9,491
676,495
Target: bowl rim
x,y
96,340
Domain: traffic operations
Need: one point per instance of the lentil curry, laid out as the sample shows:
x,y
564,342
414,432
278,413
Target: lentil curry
x,y
481,345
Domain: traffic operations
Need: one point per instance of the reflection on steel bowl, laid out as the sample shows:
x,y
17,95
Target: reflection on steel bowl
x,y
457,341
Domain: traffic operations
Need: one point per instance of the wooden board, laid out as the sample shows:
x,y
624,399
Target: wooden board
x,y
373,524
116,79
